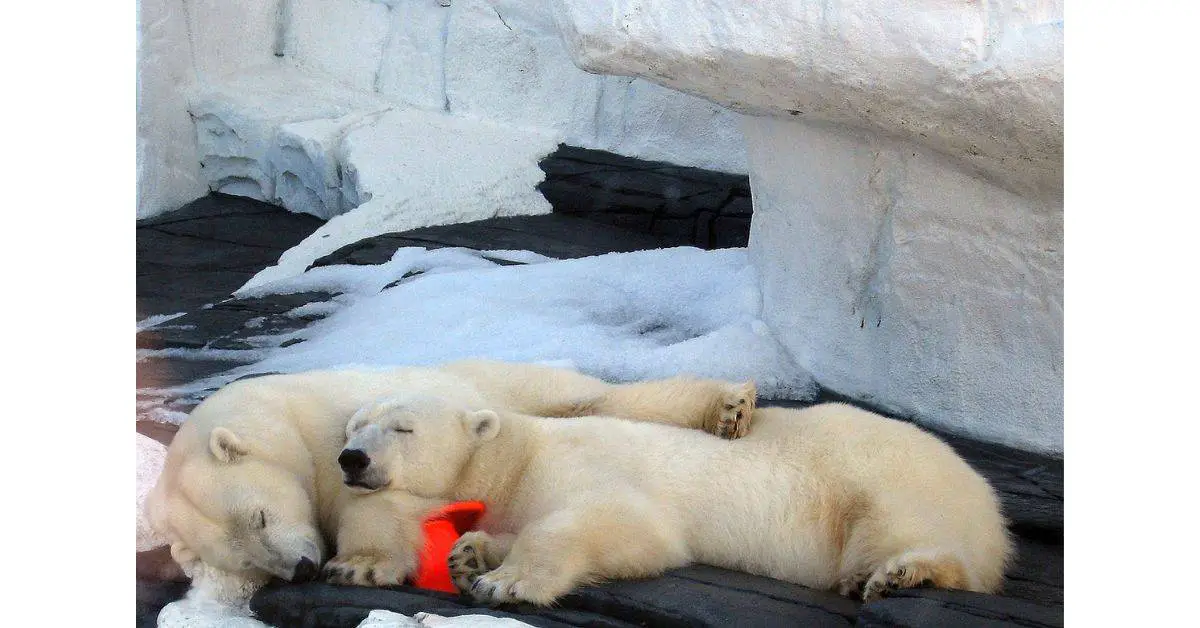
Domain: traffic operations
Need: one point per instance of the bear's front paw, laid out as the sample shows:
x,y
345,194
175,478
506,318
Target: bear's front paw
x,y
466,560
737,406
366,571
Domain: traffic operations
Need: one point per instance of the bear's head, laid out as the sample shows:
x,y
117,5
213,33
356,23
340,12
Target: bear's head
x,y
234,503
417,444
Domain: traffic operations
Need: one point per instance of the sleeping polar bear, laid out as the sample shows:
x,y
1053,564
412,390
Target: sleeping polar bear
x,y
251,487
831,497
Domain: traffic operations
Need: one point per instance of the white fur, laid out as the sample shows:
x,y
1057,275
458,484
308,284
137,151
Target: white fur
x,y
251,485
831,497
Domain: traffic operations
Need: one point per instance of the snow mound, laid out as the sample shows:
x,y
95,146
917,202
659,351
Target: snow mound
x,y
389,619
402,171
151,455
290,136
621,317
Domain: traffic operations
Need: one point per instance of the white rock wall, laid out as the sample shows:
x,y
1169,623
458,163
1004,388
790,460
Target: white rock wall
x,y
182,44
906,163
168,171
898,278
499,60
980,80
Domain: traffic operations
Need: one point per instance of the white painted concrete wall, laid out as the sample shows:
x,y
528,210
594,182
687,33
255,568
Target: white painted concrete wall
x,y
168,168
498,60
899,278
906,167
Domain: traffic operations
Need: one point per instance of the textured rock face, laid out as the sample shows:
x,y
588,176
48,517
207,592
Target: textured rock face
x,y
980,81
168,172
502,61
908,284
906,167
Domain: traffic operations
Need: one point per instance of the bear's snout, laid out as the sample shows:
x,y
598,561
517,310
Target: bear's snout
x,y
354,461
306,570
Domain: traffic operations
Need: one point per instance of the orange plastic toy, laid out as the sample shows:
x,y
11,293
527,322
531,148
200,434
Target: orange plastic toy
x,y
442,530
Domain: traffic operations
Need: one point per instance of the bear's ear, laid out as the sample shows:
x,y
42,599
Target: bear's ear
x,y
482,425
226,446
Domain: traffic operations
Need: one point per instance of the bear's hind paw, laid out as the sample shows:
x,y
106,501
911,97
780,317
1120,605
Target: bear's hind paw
x,y
737,407
913,570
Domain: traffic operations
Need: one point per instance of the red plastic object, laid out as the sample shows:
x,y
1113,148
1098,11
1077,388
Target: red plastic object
x,y
442,530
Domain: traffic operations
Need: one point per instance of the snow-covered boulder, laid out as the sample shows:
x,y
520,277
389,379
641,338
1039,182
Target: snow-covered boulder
x,y
906,167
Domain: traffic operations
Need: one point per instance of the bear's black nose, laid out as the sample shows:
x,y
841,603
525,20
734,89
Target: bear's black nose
x,y
353,460
305,570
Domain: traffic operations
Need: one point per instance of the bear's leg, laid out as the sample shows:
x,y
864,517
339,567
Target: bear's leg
x,y
912,569
379,539
610,538
717,407
476,553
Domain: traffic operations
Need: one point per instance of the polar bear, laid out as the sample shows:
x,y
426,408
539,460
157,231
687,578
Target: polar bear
x,y
251,487
831,497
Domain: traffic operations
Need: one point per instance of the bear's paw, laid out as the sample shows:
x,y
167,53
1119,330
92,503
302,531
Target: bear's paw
x,y
366,571
467,560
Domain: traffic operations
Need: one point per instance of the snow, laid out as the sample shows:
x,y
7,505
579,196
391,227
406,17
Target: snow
x,y
151,322
216,599
283,134
621,317
388,619
151,455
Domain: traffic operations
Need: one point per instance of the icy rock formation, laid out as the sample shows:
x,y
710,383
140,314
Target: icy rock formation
x,y
498,60
906,167
327,149
272,132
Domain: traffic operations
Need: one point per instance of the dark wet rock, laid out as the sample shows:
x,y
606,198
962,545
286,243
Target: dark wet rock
x,y
693,596
681,205
208,248
152,596
333,606
935,609
553,235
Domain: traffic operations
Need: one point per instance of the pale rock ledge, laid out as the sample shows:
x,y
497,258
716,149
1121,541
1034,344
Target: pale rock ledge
x,y
906,167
